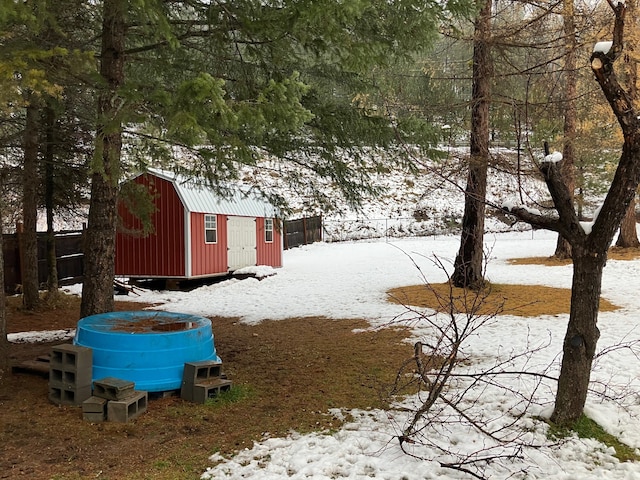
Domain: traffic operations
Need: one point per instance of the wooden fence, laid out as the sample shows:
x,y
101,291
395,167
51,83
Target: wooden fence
x,y
302,231
69,259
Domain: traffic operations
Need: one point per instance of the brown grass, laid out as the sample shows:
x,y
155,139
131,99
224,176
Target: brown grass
x,y
289,374
615,253
520,300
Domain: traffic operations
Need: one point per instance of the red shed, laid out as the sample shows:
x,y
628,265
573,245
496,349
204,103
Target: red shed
x,y
197,232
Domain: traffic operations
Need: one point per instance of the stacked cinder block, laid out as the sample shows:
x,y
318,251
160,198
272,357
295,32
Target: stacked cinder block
x,y
94,409
114,400
203,380
70,370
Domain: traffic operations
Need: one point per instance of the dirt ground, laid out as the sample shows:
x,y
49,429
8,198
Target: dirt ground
x,y
289,374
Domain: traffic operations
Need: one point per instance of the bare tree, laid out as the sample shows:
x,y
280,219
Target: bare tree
x,y
449,390
451,385
591,242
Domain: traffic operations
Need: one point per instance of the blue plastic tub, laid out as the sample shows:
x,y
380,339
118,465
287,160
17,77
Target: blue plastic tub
x,y
148,348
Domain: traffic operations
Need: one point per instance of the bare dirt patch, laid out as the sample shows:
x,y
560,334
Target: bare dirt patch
x,y
289,372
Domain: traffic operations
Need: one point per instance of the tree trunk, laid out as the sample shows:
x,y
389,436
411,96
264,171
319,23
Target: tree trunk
x,y
52,267
29,238
468,265
97,290
4,343
581,337
563,247
628,236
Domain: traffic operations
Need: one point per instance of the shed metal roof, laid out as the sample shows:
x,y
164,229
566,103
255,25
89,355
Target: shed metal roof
x,y
202,199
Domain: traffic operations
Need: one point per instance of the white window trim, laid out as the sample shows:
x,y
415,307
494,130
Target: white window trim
x,y
215,229
268,221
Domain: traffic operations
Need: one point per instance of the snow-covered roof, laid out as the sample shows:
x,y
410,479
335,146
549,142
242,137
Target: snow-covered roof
x,y
202,199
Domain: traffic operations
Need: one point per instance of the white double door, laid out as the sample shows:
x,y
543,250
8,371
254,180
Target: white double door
x,y
241,242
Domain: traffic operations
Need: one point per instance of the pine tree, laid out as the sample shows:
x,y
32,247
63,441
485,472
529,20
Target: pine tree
x,y
468,265
212,87
42,50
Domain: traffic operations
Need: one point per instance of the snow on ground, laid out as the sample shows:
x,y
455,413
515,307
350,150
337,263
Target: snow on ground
x,y
349,280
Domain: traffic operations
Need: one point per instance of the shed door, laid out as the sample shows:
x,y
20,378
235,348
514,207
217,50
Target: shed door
x,y
241,242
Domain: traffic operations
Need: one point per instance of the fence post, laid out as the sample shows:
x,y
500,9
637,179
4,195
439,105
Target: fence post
x,y
284,235
304,230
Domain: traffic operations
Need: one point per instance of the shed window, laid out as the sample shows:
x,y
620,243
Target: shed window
x,y
268,230
210,229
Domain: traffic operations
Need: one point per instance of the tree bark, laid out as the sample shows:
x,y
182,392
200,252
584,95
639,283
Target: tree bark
x,y
52,267
628,236
563,247
468,265
4,342
29,238
581,337
97,290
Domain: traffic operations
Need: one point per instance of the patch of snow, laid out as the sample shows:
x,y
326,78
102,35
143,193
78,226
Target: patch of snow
x,y
554,157
257,271
602,47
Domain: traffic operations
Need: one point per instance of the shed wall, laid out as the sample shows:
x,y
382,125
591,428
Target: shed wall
x,y
208,258
161,254
269,253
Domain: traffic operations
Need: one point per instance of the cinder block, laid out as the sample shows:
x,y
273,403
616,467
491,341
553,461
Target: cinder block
x,y
94,409
113,388
200,392
71,357
200,372
94,404
70,367
127,409
93,417
79,378
67,395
